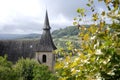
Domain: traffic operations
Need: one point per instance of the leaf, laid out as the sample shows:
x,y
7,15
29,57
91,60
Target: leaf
x,y
75,18
82,56
95,16
108,7
81,35
92,9
78,10
88,5
73,71
81,11
102,24
82,28
107,1
103,13
75,23
90,51
67,59
86,37
92,29
100,0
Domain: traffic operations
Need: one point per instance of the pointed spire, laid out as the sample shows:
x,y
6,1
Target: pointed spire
x,y
46,43
46,23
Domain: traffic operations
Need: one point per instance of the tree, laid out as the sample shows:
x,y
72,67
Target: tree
x,y
27,69
6,71
99,53
24,69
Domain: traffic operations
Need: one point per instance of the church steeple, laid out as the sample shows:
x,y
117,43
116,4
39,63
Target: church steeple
x,y
46,42
46,46
46,22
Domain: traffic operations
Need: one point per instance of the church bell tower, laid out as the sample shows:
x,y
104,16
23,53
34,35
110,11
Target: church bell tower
x,y
44,54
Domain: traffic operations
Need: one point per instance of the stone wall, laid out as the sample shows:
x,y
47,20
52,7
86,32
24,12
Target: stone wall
x,y
50,59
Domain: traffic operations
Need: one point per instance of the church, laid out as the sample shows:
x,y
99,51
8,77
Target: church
x,y
40,50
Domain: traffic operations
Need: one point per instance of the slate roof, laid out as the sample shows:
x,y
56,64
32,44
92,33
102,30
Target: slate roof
x,y
16,49
46,43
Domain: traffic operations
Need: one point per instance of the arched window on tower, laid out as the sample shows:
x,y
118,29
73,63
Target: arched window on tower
x,y
44,59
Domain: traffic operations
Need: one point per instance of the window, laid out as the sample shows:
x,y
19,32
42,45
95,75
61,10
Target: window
x,y
44,59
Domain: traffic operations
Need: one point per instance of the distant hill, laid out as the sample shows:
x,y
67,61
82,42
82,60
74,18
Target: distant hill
x,y
31,36
59,36
68,31
18,36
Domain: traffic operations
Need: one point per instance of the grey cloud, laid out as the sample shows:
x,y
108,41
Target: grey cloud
x,y
27,24
68,7
22,28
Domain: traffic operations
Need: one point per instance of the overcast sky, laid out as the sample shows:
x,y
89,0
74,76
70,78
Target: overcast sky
x,y
27,16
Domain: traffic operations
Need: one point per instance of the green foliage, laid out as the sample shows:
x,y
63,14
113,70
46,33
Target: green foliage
x,y
6,72
42,73
81,11
24,69
27,69
99,53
